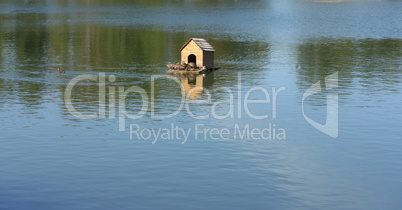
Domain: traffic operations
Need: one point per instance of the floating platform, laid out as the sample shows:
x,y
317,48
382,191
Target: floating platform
x,y
197,71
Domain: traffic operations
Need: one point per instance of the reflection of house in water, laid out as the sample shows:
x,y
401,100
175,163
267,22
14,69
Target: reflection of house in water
x,y
194,84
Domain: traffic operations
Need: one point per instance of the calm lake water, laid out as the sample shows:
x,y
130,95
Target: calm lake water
x,y
212,153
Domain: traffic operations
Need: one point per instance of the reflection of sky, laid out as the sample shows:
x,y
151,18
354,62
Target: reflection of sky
x,y
285,20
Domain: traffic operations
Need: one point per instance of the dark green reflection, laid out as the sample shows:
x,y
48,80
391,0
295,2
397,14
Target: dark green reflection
x,y
204,3
33,47
369,64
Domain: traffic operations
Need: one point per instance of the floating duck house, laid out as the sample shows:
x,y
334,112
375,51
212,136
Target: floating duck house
x,y
199,52
197,57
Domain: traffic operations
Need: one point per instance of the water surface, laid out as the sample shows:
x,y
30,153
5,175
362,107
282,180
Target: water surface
x,y
51,159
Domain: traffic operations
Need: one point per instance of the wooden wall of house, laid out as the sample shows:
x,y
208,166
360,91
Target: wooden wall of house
x,y
208,59
192,48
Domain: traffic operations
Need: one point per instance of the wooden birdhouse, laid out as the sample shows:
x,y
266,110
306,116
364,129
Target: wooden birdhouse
x,y
199,52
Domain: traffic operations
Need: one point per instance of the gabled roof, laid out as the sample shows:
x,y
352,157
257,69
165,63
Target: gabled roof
x,y
202,43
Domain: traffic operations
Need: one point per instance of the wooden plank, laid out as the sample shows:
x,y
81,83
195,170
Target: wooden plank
x,y
170,71
187,72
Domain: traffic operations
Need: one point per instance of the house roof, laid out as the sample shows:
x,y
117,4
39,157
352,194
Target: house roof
x,y
202,43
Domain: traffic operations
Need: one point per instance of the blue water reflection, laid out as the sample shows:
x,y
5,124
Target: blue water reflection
x,y
52,159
